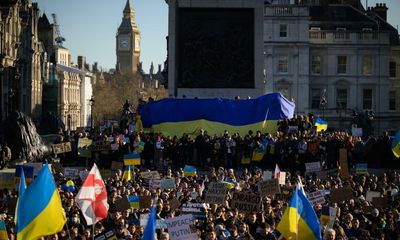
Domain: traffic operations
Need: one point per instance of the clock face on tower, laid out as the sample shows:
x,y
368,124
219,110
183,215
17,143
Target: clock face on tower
x,y
123,43
137,43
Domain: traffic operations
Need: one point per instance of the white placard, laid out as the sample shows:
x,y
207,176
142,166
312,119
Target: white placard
x,y
154,184
71,173
332,216
267,175
179,228
313,167
316,197
282,178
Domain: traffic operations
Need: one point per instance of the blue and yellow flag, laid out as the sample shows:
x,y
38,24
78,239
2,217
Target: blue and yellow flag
x,y
3,231
68,186
189,171
396,145
127,173
174,117
134,202
21,191
300,220
321,125
132,159
40,212
28,172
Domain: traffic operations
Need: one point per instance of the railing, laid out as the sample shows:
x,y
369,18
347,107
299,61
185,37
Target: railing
x,y
350,37
285,10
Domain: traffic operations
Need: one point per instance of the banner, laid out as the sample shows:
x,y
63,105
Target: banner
x,y
180,228
269,187
246,202
215,193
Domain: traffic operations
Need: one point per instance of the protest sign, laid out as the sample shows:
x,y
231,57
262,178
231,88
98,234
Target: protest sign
x,y
57,168
316,197
83,175
282,178
71,172
344,166
145,202
196,209
100,146
328,216
122,204
380,202
267,175
154,184
215,193
61,147
7,180
174,204
150,175
168,183
117,165
160,223
355,131
269,187
84,145
341,194
180,228
106,235
361,168
313,167
246,202
323,175
371,194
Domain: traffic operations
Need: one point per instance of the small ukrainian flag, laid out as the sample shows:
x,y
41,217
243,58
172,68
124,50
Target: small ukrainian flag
x,y
396,145
132,159
3,231
189,171
321,125
134,201
127,173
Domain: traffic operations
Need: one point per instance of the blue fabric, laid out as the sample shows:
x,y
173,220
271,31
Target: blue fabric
x,y
150,229
232,112
320,121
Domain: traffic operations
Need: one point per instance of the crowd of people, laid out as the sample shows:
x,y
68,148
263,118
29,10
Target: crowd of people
x,y
240,162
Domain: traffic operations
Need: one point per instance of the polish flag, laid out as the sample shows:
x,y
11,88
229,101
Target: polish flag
x,y
277,172
92,197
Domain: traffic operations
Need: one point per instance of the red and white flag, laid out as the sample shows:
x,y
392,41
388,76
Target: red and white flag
x,y
277,172
92,197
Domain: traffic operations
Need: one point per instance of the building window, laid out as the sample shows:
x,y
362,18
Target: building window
x,y
367,65
284,91
392,69
341,64
283,30
283,64
315,98
341,98
392,100
367,98
316,64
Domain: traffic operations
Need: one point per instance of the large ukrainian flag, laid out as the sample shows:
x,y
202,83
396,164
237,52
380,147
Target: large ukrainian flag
x,y
396,145
174,117
300,220
40,212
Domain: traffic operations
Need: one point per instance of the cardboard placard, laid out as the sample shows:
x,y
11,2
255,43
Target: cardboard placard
x,y
344,166
174,204
145,202
246,202
150,175
180,228
316,197
122,204
117,165
371,194
380,202
341,194
313,167
269,187
154,184
61,147
215,193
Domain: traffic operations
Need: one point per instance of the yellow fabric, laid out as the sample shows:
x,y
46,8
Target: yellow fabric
x,y
50,221
321,127
193,128
257,156
292,224
245,160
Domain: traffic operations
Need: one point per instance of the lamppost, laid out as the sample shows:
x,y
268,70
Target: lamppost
x,y
322,103
91,103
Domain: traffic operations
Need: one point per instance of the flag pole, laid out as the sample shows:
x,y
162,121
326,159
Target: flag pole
x,y
69,235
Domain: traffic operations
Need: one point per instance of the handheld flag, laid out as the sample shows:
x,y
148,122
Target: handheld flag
x,y
3,231
321,125
132,159
134,201
21,191
127,173
40,212
189,171
300,220
277,172
150,229
92,197
396,145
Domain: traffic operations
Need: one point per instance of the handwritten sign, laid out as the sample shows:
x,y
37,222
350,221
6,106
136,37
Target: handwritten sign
x,y
215,193
196,209
154,184
150,175
168,184
246,202
313,167
341,194
71,173
282,178
371,194
269,187
180,228
61,147
316,197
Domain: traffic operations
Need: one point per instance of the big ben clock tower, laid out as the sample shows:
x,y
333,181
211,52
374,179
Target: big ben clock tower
x,y
128,43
